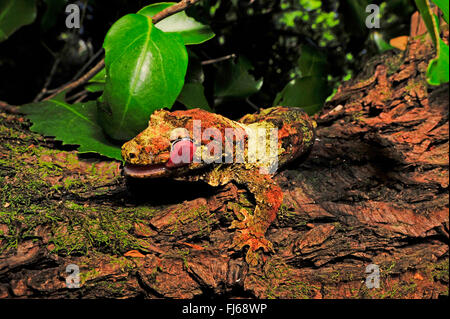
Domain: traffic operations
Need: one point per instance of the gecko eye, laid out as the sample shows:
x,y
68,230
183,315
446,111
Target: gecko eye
x,y
181,153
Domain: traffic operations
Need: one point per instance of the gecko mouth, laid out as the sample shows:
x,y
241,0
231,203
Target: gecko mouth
x,y
145,171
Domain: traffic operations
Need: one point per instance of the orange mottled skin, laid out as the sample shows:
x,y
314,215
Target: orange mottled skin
x,y
151,148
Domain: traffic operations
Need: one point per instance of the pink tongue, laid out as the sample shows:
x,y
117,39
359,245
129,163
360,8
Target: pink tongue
x,y
181,154
144,171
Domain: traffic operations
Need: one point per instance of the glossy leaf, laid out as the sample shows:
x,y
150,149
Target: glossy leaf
x,y
308,93
438,68
97,83
15,14
189,29
427,16
145,70
381,44
443,5
72,124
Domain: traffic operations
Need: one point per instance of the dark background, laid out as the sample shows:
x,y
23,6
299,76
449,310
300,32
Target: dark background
x,y
258,31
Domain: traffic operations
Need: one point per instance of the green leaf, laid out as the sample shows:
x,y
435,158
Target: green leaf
x,y
443,5
193,96
427,16
189,29
97,83
381,44
193,93
145,70
15,14
312,62
73,124
308,93
234,80
438,68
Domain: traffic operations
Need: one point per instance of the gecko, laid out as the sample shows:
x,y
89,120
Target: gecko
x,y
197,145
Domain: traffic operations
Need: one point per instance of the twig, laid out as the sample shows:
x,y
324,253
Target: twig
x,y
76,95
9,108
79,73
180,6
69,87
226,57
81,98
48,80
88,63
252,105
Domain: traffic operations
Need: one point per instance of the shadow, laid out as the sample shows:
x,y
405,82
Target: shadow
x,y
163,191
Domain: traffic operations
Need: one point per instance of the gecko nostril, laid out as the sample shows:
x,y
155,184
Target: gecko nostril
x,y
132,155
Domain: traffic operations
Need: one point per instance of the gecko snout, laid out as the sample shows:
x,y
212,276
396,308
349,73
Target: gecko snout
x,y
130,151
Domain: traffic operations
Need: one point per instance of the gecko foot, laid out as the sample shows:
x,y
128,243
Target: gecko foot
x,y
248,235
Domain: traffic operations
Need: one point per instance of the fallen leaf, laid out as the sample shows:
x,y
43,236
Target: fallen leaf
x,y
399,42
134,253
196,247
418,276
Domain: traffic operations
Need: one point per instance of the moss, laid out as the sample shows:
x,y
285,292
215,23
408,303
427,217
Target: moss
x,y
357,116
275,279
33,179
393,64
125,264
183,253
389,270
199,215
440,271
335,276
399,290
88,275
112,288
90,228
414,84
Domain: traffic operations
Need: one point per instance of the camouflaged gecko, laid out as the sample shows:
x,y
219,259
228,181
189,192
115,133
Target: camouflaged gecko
x,y
171,147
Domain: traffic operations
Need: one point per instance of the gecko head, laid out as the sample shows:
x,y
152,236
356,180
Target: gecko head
x,y
163,149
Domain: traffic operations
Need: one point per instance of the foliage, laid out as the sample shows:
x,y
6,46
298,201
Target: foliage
x,y
235,81
145,69
14,14
191,31
310,90
247,53
438,68
71,123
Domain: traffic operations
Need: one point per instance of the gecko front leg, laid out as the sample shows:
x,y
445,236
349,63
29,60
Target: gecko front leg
x,y
252,227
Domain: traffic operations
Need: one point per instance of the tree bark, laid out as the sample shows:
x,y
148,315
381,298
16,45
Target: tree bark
x,y
374,190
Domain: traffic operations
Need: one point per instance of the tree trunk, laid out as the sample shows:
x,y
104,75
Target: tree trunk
x,y
374,190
